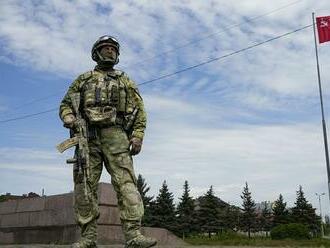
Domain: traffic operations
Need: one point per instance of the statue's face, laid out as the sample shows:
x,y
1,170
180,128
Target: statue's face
x,y
108,52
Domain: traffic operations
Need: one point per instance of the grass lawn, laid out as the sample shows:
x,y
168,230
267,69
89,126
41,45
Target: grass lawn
x,y
235,240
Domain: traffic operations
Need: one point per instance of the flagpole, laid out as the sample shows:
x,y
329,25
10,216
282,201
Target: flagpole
x,y
322,111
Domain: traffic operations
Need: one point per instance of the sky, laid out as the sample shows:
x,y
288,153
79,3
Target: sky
x,y
253,116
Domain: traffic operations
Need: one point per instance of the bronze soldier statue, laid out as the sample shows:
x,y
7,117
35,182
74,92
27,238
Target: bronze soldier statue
x,y
103,107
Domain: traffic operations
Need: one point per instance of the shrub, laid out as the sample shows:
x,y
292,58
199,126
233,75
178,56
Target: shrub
x,y
290,231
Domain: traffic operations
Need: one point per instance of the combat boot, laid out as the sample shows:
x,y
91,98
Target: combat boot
x,y
134,238
84,243
141,241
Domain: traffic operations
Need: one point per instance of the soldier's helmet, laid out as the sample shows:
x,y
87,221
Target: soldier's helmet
x,y
102,41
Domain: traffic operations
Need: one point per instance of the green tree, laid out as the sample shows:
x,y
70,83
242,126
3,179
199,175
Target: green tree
x,y
208,213
327,220
327,224
230,215
304,213
143,189
248,217
280,212
162,211
186,212
2,198
265,218
290,231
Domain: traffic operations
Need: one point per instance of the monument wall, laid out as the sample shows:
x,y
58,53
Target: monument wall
x,y
50,220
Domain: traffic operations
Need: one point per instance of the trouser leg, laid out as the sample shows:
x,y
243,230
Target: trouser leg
x,y
119,164
86,206
130,204
89,231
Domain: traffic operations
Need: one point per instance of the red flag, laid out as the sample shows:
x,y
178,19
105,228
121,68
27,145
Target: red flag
x,y
323,28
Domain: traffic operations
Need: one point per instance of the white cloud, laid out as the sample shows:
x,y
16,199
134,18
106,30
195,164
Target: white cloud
x,y
57,35
272,159
181,143
158,103
34,169
26,154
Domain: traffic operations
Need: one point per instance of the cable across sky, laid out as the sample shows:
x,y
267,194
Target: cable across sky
x,y
192,42
188,43
180,71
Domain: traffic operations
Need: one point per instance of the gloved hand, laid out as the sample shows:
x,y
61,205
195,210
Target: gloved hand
x,y
135,146
69,120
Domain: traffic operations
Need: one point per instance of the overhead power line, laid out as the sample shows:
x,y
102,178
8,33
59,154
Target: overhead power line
x,y
183,70
189,43
226,55
38,100
192,42
29,115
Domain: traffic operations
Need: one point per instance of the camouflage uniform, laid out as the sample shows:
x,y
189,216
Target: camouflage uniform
x,y
115,113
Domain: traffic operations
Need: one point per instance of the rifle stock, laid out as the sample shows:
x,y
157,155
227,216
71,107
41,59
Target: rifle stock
x,y
68,143
79,139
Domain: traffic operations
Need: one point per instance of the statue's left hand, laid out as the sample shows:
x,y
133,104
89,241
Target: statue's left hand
x,y
135,146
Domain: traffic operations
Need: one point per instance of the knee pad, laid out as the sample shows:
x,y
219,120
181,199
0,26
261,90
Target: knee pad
x,y
132,205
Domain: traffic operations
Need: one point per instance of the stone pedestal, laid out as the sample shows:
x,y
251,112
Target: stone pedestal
x,y
50,220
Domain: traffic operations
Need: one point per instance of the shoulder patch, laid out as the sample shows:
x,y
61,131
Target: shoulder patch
x,y
126,80
119,73
86,75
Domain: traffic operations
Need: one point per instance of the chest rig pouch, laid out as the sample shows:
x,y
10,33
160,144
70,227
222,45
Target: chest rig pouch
x,y
104,100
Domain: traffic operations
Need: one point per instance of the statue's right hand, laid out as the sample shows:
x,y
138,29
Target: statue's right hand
x,y
69,120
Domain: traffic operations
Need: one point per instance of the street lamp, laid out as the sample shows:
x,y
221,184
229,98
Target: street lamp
x,y
319,196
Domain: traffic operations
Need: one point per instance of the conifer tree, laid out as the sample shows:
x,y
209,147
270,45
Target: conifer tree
x,y
326,224
208,213
304,213
163,210
186,212
327,220
265,219
230,215
248,219
280,212
143,189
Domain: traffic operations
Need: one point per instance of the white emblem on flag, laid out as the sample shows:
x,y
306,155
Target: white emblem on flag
x,y
324,24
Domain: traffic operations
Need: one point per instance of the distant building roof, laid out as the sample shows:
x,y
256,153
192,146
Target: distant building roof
x,y
9,196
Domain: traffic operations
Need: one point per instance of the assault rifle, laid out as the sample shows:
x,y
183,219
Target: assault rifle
x,y
79,139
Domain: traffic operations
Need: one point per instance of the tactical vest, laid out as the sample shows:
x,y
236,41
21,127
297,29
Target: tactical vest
x,y
106,99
